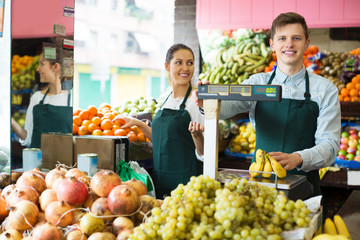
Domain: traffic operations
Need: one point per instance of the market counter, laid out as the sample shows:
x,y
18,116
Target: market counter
x,y
350,212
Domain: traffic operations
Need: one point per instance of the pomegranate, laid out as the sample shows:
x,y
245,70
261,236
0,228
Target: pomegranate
x,y
147,203
122,223
90,199
36,170
79,175
104,181
124,235
53,175
41,218
7,190
23,215
32,179
71,191
11,234
58,213
78,213
47,196
56,182
76,235
4,211
100,208
46,231
22,192
102,236
123,199
138,185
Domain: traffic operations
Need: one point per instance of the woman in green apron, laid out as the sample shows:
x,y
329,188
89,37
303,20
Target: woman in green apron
x,y
302,132
174,158
50,110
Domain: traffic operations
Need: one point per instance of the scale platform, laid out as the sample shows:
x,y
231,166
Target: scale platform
x,y
289,182
240,92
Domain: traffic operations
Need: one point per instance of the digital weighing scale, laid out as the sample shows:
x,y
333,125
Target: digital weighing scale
x,y
212,94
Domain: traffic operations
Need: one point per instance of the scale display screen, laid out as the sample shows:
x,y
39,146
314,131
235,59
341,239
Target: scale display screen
x,y
240,92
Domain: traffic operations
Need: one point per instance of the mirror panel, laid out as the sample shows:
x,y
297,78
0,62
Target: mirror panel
x,y
5,69
41,29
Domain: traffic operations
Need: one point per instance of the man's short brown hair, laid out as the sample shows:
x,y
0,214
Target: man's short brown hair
x,y
289,18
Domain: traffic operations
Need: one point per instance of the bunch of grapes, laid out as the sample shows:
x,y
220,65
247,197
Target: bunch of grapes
x,y
203,209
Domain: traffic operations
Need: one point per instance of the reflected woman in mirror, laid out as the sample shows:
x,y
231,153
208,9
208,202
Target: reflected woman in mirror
x,y
50,109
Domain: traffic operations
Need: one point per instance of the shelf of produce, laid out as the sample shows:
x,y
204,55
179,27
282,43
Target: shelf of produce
x,y
350,109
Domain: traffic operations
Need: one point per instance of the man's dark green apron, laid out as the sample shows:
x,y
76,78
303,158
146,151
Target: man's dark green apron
x,y
174,157
49,118
288,126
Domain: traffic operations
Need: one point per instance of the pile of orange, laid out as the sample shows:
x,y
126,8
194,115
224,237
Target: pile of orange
x,y
351,92
19,62
99,122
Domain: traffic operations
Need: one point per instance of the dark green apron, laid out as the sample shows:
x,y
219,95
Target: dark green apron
x,y
49,118
288,126
173,149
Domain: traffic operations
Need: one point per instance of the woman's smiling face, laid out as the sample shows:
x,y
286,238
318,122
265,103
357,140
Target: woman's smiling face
x,y
181,67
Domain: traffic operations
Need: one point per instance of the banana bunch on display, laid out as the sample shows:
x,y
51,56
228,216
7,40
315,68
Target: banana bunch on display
x,y
322,172
236,63
334,230
267,164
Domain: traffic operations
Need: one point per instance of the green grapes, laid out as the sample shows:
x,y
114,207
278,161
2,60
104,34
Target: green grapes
x,y
203,210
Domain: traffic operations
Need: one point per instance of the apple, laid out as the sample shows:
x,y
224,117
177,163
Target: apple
x,y
344,146
350,156
353,131
351,150
342,152
353,143
358,146
342,157
344,140
345,134
357,158
354,136
357,152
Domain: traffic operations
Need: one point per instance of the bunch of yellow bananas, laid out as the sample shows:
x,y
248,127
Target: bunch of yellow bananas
x,y
334,230
265,163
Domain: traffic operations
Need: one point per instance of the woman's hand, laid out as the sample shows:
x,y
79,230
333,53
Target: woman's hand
x,y
194,95
196,129
126,121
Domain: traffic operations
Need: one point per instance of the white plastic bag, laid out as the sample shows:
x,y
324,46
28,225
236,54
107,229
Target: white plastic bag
x,y
136,167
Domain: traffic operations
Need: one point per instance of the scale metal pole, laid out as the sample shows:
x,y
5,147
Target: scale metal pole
x,y
211,135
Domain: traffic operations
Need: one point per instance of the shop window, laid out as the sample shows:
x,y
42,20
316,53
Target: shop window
x,y
114,40
132,46
139,9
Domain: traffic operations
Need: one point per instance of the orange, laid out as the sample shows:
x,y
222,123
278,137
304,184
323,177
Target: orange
x,y
132,136
114,127
92,109
86,123
109,115
135,129
96,121
106,124
75,129
356,79
341,98
120,132
127,129
350,85
141,137
82,131
354,99
357,86
97,132
104,105
347,99
92,127
119,121
76,111
100,115
354,92
77,120
84,114
108,132
345,92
